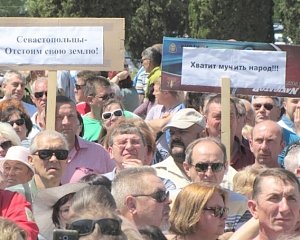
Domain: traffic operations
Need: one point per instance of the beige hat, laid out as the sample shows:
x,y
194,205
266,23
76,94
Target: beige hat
x,y
17,153
185,118
43,204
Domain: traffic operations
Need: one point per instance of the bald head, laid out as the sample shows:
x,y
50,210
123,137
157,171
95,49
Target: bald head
x,y
266,143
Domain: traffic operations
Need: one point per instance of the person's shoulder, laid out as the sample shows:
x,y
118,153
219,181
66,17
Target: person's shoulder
x,y
90,145
236,197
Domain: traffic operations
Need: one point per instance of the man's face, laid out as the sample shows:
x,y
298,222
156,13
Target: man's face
x,y
290,106
14,88
16,172
126,147
265,109
48,169
146,64
39,95
181,138
266,144
66,121
277,206
148,210
79,90
213,120
206,152
102,94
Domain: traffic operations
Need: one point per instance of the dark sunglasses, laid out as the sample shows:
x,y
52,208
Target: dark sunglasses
x,y
40,94
19,122
78,87
267,106
217,211
203,167
106,96
108,226
5,145
160,196
116,113
46,154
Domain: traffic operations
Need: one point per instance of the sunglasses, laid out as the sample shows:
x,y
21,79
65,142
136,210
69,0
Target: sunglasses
x,y
78,87
116,113
203,167
19,122
46,154
217,211
5,145
159,196
267,106
40,94
108,226
106,96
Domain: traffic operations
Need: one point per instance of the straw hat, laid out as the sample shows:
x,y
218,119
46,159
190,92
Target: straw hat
x,y
43,205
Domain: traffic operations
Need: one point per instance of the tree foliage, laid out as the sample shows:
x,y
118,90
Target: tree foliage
x,y
12,8
289,11
247,20
153,20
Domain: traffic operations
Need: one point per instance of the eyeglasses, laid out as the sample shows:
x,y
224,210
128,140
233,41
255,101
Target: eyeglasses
x,y
19,122
40,94
6,145
108,226
116,113
217,211
78,87
133,141
159,196
106,96
46,154
143,59
267,106
203,167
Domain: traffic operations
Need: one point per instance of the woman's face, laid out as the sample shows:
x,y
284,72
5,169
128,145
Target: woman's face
x,y
114,115
64,214
209,226
5,144
18,125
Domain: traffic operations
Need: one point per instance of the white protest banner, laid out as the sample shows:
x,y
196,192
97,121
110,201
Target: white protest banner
x,y
51,45
246,69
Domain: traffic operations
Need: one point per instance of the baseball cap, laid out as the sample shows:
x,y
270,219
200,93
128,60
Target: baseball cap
x,y
185,118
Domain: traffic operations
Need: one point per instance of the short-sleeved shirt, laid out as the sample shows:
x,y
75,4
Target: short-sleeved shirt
x,y
85,158
93,127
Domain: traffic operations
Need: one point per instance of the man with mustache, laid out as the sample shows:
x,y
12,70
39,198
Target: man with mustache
x,y
185,126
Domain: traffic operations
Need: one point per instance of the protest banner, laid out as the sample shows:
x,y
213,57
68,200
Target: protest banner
x,y
61,44
270,66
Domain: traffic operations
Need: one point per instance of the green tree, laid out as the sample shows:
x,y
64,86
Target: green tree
x,y
247,20
12,8
290,16
43,8
153,20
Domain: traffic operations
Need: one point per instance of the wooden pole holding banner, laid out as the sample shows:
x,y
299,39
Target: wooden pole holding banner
x,y
51,100
225,119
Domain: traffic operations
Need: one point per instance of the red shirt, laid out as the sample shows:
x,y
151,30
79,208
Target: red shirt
x,y
14,207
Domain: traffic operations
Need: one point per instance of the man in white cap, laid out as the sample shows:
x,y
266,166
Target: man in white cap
x,y
15,166
185,126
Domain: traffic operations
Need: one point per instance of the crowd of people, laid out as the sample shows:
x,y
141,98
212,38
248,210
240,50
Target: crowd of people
x,y
129,160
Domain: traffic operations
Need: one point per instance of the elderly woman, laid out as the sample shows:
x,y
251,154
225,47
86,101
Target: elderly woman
x,y
15,166
19,120
8,138
199,212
